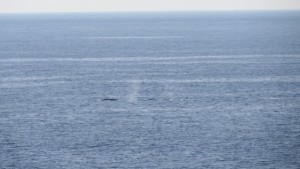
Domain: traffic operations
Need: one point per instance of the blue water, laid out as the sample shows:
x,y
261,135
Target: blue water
x,y
150,90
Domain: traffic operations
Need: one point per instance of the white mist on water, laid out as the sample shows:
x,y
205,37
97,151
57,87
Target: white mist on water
x,y
134,92
168,91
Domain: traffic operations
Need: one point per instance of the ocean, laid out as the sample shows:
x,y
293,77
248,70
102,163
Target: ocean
x,y
150,90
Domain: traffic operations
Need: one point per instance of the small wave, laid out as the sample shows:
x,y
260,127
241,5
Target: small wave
x,y
218,80
139,59
30,84
32,78
178,111
131,37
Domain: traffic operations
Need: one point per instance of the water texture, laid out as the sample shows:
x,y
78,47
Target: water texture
x,y
150,90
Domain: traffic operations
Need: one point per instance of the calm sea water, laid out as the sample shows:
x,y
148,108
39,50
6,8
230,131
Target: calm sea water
x,y
150,90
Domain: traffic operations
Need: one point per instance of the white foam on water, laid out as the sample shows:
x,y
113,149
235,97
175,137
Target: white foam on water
x,y
30,84
139,59
12,43
33,78
217,80
131,37
171,51
174,111
21,52
179,62
112,59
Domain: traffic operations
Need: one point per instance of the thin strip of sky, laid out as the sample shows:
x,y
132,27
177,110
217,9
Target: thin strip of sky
x,y
12,6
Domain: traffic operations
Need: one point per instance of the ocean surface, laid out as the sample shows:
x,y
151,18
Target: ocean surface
x,y
150,90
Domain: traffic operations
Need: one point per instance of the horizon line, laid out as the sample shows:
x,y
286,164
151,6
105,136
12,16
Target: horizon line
x,y
154,11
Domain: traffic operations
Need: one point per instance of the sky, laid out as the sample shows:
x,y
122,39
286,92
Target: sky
x,y
12,6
